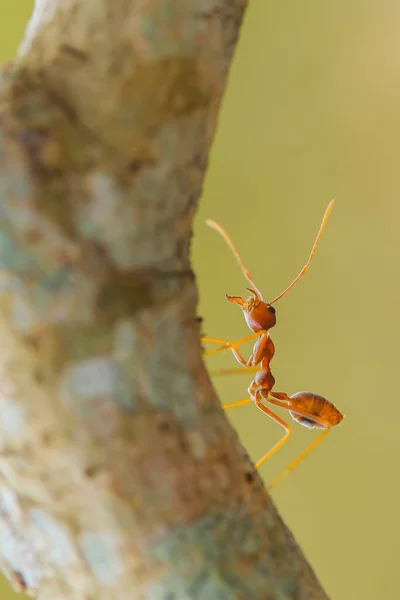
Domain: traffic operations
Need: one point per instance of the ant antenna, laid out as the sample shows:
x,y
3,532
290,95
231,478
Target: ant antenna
x,y
305,268
228,240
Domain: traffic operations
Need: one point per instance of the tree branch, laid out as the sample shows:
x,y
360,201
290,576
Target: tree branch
x,y
120,476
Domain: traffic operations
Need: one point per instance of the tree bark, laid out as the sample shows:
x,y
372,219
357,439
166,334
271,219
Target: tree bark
x,y
120,476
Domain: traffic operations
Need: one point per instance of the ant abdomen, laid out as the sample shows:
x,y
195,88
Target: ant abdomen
x,y
317,405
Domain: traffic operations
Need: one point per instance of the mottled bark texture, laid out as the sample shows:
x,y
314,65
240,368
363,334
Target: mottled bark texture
x,y
120,477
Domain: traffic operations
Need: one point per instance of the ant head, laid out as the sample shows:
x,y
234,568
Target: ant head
x,y
258,314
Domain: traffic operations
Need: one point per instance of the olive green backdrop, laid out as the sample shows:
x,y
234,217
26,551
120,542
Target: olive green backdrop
x,y
312,112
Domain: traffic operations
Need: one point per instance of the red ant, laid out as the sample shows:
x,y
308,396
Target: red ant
x,y
306,408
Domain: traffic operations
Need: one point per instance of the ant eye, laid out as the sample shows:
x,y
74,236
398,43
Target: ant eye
x,y
271,309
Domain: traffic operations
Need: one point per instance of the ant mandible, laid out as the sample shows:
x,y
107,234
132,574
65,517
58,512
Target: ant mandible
x,y
306,408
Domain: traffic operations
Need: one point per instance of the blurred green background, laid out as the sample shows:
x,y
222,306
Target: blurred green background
x,y
312,112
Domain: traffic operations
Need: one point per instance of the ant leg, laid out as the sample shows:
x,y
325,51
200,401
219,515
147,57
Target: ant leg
x,y
238,403
287,403
216,341
279,396
281,441
243,370
299,458
226,344
239,357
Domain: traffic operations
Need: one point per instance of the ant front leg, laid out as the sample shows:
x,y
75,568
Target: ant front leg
x,y
284,399
263,347
227,344
239,357
243,371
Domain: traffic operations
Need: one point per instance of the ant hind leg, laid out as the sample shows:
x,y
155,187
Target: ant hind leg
x,y
299,458
282,441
